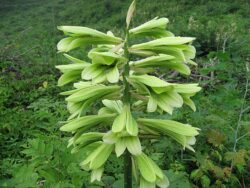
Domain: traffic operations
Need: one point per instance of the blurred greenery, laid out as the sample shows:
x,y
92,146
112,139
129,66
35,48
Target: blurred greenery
x,y
34,152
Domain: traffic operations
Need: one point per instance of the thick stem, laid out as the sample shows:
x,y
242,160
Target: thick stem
x,y
126,94
126,101
127,170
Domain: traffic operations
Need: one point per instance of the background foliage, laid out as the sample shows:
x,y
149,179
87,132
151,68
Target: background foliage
x,y
33,151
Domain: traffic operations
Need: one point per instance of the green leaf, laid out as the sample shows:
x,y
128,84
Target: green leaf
x,y
178,179
205,181
215,137
24,176
237,158
50,174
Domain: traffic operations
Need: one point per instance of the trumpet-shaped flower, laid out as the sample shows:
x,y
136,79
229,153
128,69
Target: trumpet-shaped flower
x,y
122,142
104,67
163,95
155,27
71,71
79,36
85,94
182,133
125,121
98,157
179,47
151,174
162,61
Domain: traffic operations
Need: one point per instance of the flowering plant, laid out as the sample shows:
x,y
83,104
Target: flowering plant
x,y
120,77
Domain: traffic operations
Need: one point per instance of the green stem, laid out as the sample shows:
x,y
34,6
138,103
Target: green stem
x,y
127,170
126,96
126,101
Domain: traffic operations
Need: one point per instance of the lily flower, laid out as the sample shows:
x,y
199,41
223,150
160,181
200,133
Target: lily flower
x,y
155,27
79,36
